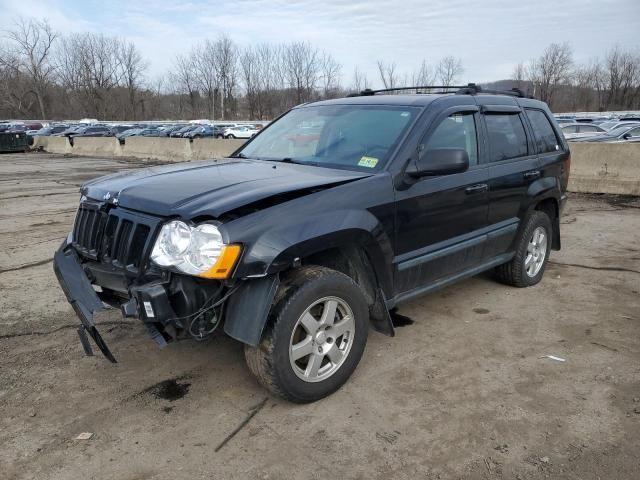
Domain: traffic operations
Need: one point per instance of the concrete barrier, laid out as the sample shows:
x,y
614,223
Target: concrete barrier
x,y
172,149
96,146
58,145
605,168
40,142
204,148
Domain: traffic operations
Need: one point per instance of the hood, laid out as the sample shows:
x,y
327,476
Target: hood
x,y
210,188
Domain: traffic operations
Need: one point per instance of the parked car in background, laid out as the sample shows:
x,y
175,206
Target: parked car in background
x,y
611,124
168,130
50,130
69,131
578,130
118,129
205,131
240,132
178,133
92,131
24,127
128,133
622,133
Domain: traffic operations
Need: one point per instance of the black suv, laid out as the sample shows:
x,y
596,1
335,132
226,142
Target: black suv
x,y
317,227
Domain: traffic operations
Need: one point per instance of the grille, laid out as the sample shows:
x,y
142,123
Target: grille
x,y
119,238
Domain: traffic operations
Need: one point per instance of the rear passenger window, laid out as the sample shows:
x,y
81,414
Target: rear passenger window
x,y
455,131
543,131
507,138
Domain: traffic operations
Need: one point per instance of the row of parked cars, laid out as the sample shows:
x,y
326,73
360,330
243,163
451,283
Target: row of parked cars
x,y
192,130
600,129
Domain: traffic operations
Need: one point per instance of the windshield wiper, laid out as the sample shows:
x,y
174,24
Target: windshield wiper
x,y
289,160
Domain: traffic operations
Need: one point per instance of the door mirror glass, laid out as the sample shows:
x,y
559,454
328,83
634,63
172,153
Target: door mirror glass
x,y
440,161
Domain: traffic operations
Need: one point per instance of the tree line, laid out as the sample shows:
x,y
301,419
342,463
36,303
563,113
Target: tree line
x,y
47,75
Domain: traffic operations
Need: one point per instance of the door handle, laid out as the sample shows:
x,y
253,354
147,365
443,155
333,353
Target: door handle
x,y
532,174
481,187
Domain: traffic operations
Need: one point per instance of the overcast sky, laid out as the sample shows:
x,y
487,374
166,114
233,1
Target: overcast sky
x,y
490,39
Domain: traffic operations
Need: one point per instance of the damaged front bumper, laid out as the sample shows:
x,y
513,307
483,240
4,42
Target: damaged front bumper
x,y
170,306
82,297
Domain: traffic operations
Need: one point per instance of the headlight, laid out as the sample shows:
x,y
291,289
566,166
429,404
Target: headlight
x,y
194,250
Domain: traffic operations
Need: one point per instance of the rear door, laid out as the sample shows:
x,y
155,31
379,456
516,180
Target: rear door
x,y
513,166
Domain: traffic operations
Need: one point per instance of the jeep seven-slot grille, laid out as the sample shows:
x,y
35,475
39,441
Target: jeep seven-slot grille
x,y
115,237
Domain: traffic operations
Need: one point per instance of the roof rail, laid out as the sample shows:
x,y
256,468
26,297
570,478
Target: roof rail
x,y
469,89
473,89
368,92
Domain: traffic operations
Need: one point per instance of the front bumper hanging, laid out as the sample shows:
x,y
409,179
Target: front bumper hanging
x,y
82,297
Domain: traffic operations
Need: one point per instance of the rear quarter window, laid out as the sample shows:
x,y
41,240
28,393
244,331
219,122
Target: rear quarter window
x,y
543,132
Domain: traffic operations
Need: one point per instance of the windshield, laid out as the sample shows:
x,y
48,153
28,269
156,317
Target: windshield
x,y
354,137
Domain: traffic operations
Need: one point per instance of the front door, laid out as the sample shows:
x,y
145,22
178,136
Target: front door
x,y
439,220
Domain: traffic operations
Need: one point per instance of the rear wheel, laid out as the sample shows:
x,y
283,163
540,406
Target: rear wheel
x,y
532,253
316,336
231,136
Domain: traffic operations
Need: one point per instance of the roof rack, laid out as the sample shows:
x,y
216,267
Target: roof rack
x,y
473,89
469,89
368,92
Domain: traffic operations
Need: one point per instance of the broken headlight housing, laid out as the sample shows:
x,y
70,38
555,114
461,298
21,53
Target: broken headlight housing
x,y
194,250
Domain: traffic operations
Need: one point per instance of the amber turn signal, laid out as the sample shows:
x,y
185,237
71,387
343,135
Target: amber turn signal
x,y
225,263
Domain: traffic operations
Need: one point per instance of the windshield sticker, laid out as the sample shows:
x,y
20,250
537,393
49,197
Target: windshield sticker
x,y
368,162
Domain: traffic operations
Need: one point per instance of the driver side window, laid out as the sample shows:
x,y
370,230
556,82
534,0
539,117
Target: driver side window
x,y
456,131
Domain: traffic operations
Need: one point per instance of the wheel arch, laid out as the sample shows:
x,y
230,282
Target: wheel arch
x,y
545,196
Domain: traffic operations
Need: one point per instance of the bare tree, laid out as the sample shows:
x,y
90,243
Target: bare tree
x,y
301,69
360,80
425,75
184,79
518,75
388,74
550,70
329,74
449,70
622,70
133,68
205,73
226,56
32,42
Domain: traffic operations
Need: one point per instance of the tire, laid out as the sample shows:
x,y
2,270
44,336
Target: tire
x,y
519,272
311,289
231,136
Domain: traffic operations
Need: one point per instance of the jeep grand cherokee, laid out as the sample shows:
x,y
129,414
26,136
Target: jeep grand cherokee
x,y
314,229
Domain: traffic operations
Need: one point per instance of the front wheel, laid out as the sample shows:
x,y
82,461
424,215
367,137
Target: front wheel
x,y
533,247
231,136
316,336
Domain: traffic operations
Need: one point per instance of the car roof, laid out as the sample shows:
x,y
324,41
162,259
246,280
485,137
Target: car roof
x,y
421,100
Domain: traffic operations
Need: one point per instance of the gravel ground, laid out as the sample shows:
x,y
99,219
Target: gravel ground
x,y
463,391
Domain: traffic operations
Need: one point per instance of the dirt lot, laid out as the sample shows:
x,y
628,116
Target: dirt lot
x,y
462,392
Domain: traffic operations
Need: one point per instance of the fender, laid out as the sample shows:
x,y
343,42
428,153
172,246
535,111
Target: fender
x,y
543,189
277,248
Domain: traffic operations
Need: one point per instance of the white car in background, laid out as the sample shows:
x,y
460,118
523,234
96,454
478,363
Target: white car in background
x,y
579,130
241,131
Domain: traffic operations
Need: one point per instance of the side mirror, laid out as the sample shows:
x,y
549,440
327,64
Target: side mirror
x,y
441,161
626,136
